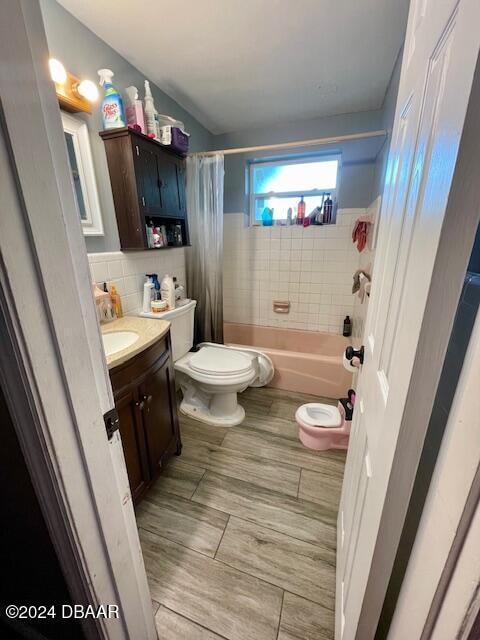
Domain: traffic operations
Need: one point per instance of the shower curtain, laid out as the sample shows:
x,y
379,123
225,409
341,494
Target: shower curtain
x,y
204,259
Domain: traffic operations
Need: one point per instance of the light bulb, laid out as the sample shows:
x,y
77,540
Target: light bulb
x,y
57,71
88,90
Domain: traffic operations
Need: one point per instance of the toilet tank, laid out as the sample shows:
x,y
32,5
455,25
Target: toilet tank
x,y
181,327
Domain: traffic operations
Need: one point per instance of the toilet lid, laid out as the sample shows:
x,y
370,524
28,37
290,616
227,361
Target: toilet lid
x,y
320,415
217,361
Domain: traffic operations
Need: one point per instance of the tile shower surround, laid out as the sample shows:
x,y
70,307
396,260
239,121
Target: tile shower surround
x,y
127,271
311,267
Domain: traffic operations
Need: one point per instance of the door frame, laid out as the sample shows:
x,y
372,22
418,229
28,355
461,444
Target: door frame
x,y
461,220
52,365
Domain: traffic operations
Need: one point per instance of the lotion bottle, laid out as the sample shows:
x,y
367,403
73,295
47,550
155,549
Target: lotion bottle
x,y
167,291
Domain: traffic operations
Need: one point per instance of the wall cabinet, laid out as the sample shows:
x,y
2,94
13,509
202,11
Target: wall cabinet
x,y
144,392
148,183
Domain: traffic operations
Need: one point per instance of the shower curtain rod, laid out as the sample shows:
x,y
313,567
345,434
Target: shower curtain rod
x,y
297,143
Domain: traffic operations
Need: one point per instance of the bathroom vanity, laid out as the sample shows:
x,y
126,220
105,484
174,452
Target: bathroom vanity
x,y
143,385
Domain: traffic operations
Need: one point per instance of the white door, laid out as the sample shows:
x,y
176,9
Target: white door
x,y
440,54
54,346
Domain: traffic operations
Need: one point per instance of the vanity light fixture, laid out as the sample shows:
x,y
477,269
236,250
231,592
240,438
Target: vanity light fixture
x,y
73,94
58,72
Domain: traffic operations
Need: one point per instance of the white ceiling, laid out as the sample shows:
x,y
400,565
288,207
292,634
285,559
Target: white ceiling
x,y
235,64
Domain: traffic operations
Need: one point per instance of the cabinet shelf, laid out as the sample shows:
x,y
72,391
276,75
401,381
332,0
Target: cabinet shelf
x,y
148,182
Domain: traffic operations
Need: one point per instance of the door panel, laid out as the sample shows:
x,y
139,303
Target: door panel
x,y
169,185
127,406
146,172
441,52
157,413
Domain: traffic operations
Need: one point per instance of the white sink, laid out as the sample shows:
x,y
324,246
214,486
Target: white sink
x,y
118,340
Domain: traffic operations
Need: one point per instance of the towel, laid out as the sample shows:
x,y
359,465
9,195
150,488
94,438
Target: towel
x,y
360,231
361,283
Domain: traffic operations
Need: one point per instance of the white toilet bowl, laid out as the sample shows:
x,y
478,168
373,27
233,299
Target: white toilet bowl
x,y
211,377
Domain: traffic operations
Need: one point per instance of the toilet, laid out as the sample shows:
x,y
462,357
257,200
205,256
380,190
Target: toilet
x,y
211,377
324,426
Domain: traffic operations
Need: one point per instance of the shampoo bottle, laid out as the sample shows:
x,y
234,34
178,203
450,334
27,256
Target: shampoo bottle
x,y
301,211
113,115
347,326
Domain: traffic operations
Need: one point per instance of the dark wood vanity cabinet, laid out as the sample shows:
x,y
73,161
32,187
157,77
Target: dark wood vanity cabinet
x,y
148,183
144,393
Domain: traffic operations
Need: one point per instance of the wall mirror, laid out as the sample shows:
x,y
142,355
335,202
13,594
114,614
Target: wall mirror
x,y
83,175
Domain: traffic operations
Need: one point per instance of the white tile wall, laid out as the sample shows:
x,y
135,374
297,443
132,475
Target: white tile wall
x,y
127,271
311,267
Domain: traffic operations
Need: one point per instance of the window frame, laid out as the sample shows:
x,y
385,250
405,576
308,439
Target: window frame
x,y
93,224
252,197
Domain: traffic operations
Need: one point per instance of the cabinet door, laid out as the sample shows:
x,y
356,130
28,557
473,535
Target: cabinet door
x,y
131,432
169,181
146,172
159,415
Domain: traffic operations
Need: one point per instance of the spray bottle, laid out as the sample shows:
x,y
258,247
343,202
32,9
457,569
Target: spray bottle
x,y
151,114
113,115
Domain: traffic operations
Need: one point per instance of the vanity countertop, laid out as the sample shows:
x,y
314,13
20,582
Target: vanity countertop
x,y
149,331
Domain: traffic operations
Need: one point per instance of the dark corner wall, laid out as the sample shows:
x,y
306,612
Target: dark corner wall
x,y
363,162
83,53
31,573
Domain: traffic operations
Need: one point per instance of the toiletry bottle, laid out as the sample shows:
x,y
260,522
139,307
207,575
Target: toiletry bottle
x,y
147,294
347,326
168,291
113,115
134,110
150,113
179,293
116,302
156,286
108,313
301,211
267,217
289,216
149,228
327,210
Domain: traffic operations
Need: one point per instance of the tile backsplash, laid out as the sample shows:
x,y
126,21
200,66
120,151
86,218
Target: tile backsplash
x,y
127,271
312,268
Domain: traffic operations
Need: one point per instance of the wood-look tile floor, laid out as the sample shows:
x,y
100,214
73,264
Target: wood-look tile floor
x,y
239,532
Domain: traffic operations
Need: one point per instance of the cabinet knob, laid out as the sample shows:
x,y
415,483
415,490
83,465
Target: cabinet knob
x,y
147,399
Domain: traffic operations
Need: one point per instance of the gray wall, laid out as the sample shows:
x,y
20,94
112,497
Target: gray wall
x,y
388,117
83,53
358,158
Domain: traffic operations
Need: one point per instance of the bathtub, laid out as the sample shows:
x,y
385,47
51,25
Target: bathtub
x,y
305,361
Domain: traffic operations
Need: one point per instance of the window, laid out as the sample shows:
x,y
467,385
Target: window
x,y
279,185
83,175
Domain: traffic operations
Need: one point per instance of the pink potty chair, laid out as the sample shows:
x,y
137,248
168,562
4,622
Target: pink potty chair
x,y
323,426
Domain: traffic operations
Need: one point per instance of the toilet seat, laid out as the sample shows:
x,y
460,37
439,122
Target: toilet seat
x,y
264,365
316,414
215,362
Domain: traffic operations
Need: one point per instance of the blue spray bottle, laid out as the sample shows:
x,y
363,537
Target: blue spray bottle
x,y
113,115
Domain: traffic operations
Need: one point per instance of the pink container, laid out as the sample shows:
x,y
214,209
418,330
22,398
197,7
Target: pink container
x,y
323,438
